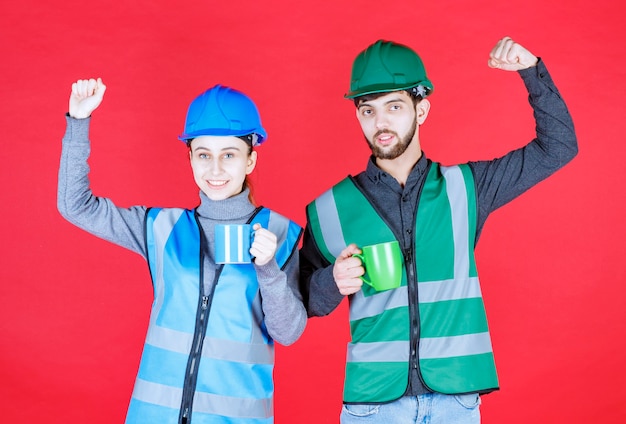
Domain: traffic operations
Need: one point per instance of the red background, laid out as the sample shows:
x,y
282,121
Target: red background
x,y
74,309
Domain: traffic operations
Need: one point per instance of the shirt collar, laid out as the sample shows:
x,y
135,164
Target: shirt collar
x,y
376,175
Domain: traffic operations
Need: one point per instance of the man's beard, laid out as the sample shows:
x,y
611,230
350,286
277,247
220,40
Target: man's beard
x,y
395,151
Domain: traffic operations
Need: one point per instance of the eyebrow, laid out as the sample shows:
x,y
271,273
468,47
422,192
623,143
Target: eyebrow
x,y
396,100
392,100
221,150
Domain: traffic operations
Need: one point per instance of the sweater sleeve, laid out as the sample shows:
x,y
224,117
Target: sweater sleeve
x,y
285,316
77,204
501,180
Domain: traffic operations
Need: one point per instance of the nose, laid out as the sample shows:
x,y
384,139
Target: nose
x,y
215,167
381,121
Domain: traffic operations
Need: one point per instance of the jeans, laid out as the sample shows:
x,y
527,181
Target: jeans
x,y
429,408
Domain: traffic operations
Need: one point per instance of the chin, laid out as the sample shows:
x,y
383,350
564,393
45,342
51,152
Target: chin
x,y
216,196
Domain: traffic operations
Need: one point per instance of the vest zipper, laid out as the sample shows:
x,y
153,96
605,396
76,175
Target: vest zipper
x,y
193,363
413,309
202,320
412,283
414,316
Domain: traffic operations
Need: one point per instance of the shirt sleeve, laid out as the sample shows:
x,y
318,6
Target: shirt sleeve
x,y
319,290
77,204
501,180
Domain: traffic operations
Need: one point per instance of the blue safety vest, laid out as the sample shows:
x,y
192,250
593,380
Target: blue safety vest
x,y
208,357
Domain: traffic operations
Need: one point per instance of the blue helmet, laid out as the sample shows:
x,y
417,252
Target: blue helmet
x,y
223,111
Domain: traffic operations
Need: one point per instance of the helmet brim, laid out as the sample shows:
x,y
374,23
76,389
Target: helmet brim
x,y
224,132
385,88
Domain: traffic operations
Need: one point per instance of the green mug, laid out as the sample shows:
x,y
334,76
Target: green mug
x,y
383,265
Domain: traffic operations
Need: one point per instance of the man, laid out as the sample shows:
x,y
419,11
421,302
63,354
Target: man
x,y
420,352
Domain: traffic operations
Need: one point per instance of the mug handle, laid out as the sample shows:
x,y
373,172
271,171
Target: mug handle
x,y
252,233
362,277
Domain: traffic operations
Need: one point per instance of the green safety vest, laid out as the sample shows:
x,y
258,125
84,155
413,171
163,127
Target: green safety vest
x,y
454,352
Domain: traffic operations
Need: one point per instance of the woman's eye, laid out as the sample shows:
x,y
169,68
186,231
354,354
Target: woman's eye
x,y
203,156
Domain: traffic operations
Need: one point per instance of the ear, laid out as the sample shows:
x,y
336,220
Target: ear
x,y
251,162
421,111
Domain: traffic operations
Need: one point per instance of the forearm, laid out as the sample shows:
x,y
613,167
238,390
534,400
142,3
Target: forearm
x,y
501,180
284,313
317,284
324,296
77,204
556,143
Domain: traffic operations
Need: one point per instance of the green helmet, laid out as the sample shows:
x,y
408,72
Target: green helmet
x,y
387,66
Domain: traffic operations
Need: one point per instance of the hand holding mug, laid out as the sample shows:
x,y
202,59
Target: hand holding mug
x,y
348,270
264,245
241,243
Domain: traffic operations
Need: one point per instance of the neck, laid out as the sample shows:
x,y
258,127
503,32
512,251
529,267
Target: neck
x,y
233,208
400,167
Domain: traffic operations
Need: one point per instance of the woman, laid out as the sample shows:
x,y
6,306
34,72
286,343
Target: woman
x,y
208,355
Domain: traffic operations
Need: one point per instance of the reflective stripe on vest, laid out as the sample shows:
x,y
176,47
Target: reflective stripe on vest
x,y
453,325
455,346
235,371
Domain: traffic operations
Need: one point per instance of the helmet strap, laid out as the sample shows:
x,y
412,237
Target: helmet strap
x,y
419,91
249,139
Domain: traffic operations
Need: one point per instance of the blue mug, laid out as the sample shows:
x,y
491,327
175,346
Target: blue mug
x,y
232,243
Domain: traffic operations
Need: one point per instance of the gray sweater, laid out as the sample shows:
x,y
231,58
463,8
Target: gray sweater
x,y
285,316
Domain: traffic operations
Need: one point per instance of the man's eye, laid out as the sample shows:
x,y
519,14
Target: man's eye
x,y
228,156
203,156
395,107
